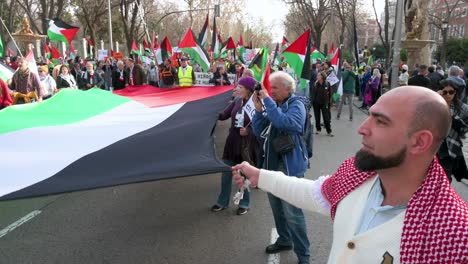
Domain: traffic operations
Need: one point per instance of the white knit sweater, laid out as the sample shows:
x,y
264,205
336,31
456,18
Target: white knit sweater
x,y
377,245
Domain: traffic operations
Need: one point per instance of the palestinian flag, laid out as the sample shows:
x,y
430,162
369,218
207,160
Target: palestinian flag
x,y
47,52
203,36
55,53
336,63
298,56
11,52
315,55
240,49
5,72
32,65
215,43
61,31
90,48
331,51
147,49
284,43
135,49
261,68
196,52
137,136
166,49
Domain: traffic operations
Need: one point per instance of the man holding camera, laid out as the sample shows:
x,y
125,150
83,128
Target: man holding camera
x,y
279,123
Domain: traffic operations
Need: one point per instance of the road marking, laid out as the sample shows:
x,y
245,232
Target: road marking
x,y
273,258
21,221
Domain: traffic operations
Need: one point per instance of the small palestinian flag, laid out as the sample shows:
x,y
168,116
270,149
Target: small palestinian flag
x,y
1,47
47,52
90,48
61,31
55,53
135,49
197,53
203,36
298,56
147,49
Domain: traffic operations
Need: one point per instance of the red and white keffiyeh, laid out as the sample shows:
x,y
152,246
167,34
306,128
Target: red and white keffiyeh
x,y
435,228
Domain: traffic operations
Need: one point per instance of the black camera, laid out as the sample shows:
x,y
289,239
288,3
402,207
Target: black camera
x,y
258,87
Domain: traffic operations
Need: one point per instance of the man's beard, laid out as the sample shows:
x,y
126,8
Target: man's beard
x,y
366,161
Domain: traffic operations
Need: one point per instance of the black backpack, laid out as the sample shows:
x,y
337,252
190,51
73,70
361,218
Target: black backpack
x,y
308,127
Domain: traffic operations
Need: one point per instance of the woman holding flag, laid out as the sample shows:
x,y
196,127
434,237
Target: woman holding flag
x,y
241,144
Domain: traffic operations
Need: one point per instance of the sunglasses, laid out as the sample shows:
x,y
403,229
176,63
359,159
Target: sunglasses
x,y
445,92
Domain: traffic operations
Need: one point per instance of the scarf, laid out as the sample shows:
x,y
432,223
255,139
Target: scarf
x,y
435,229
69,79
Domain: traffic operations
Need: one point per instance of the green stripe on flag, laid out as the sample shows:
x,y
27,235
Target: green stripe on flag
x,y
73,106
58,37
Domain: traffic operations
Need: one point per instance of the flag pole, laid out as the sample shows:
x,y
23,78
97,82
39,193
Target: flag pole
x,y
111,46
13,39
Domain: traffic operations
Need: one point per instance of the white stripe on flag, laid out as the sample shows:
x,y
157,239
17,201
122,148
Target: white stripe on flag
x,y
35,154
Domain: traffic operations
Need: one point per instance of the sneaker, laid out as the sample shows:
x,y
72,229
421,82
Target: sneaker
x,y
276,248
242,211
350,119
330,134
338,117
317,132
217,208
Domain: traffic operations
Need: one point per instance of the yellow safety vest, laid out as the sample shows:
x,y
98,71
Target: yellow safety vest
x,y
185,79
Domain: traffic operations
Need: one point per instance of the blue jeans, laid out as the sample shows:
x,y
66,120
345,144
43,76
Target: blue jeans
x,y
226,186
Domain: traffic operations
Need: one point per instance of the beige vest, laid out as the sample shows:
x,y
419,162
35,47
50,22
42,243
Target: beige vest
x,y
377,245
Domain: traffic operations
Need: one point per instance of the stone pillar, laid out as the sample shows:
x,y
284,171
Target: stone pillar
x,y
116,46
85,50
38,48
102,44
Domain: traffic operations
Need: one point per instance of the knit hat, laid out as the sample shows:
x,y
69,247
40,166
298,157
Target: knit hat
x,y
248,82
43,68
404,67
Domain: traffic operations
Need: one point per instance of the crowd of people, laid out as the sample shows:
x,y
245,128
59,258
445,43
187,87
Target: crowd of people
x,y
412,147
109,74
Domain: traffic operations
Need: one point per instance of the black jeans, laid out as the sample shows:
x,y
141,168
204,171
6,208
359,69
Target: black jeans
x,y
325,109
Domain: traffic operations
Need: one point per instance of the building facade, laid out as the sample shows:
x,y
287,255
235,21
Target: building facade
x,y
455,13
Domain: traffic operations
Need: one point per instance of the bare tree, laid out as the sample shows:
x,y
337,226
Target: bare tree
x,y
439,20
131,22
313,14
385,39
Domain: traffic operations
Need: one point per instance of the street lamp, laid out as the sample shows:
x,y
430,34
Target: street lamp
x,y
443,52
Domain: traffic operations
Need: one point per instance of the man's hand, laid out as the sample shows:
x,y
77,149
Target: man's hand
x,y
248,170
257,102
243,131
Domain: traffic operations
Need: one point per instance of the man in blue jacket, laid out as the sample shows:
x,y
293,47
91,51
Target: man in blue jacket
x,y
281,116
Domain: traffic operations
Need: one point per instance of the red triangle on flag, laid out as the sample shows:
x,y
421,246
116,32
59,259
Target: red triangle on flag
x,y
335,59
241,41
134,46
145,45
266,79
332,48
299,46
189,40
55,53
230,44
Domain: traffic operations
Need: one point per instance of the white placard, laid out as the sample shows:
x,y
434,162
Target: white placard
x,y
332,79
102,54
203,79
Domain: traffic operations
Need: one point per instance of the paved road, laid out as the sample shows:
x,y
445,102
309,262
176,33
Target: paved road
x,y
166,221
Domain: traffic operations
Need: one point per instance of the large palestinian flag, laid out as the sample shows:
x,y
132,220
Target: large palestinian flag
x,y
80,140
61,31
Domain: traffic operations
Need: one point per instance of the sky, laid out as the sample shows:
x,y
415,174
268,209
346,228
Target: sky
x,y
273,13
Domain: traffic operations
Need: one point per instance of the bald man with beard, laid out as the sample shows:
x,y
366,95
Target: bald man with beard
x,y
392,202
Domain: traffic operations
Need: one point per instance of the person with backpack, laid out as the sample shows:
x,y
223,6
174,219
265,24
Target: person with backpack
x,y
168,75
280,123
349,82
